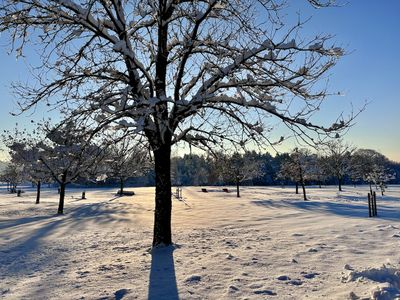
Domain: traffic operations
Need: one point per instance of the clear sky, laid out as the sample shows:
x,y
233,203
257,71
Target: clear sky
x,y
370,32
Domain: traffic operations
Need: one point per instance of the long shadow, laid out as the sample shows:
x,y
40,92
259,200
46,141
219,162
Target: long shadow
x,y
22,221
352,210
363,198
15,258
162,283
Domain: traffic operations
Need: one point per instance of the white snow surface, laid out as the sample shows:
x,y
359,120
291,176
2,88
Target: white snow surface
x,y
268,244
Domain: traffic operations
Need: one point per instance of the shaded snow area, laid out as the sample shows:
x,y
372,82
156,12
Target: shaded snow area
x,y
268,244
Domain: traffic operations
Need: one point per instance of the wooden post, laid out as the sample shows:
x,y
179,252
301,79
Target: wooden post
x,y
369,205
375,209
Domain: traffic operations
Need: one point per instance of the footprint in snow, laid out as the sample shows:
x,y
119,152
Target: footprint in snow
x,y
310,275
348,267
83,274
230,257
295,282
232,289
283,277
193,279
297,234
265,292
312,250
121,293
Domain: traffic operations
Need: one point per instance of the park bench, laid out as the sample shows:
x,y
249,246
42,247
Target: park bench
x,y
125,193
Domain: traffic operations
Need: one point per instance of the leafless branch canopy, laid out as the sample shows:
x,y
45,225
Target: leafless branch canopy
x,y
174,70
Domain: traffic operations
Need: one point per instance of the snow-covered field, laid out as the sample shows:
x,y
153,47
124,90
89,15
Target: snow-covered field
x,y
268,244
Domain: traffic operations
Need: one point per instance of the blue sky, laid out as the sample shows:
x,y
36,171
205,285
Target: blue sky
x,y
368,30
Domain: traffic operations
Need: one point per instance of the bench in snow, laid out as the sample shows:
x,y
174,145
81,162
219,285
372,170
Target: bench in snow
x,y
125,193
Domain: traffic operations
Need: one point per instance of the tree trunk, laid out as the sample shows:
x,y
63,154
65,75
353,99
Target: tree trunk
x,y
62,195
370,187
237,189
39,184
340,184
121,186
163,205
297,187
304,191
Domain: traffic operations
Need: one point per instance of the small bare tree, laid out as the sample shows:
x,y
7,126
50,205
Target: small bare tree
x,y
67,153
298,168
13,174
202,72
33,168
238,168
126,159
23,150
320,169
338,159
370,166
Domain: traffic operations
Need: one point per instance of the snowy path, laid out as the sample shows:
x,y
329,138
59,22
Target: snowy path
x,y
268,244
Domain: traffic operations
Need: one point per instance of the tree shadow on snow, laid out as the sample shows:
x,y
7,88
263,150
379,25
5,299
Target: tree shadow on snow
x,y
16,257
351,210
362,197
162,283
22,221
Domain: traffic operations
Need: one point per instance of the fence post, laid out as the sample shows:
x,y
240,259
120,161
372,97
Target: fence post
x,y
375,209
369,205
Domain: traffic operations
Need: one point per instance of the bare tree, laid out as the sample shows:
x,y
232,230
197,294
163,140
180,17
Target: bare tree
x,y
370,166
338,158
23,150
206,72
33,168
320,170
67,154
298,168
13,175
126,159
238,168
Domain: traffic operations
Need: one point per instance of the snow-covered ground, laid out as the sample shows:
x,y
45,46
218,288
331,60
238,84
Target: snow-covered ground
x,y
268,244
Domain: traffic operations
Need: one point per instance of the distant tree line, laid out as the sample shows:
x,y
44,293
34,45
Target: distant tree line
x,y
64,156
335,164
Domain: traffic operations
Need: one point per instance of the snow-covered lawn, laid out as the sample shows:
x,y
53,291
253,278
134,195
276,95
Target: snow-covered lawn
x,y
268,244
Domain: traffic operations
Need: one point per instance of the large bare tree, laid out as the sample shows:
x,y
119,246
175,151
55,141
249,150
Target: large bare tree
x,y
207,72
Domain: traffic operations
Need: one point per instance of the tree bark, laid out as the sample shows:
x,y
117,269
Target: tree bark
x,y
297,187
62,195
304,191
340,184
237,189
163,205
121,186
39,185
